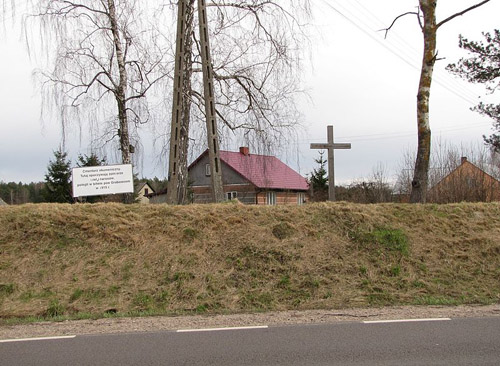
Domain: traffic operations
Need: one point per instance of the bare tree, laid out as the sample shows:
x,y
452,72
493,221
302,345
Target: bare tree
x,y
426,16
106,60
256,49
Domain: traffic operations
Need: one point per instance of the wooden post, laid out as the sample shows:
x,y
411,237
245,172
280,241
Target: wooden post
x,y
331,147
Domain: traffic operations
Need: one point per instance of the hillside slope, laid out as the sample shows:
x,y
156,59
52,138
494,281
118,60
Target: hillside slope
x,y
89,260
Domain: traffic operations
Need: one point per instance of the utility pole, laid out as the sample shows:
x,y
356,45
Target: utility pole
x,y
208,83
175,129
211,122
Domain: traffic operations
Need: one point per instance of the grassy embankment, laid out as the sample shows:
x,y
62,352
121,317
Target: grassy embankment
x,y
77,261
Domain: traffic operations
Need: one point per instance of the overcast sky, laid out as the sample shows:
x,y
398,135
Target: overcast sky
x,y
362,84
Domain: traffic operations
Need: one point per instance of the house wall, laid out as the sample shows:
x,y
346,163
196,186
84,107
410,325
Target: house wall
x,y
466,183
245,193
282,198
140,195
197,176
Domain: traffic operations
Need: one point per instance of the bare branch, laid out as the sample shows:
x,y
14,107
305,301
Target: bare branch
x,y
386,30
461,13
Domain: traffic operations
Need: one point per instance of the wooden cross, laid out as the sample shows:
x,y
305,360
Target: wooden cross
x,y
331,147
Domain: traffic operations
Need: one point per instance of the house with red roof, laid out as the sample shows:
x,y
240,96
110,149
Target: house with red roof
x,y
250,178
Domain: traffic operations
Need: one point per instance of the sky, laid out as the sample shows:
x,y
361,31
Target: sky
x,y
357,81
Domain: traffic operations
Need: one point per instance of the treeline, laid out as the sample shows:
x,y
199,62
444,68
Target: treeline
x,y
57,184
21,193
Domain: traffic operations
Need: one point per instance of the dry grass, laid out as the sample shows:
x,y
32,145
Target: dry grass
x,y
86,260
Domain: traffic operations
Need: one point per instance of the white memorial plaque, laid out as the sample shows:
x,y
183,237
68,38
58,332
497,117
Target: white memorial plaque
x,y
101,180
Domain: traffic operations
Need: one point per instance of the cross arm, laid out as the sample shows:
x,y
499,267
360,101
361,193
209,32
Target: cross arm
x,y
344,146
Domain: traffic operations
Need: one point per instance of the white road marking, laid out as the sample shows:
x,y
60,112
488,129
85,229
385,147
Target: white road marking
x,y
405,320
35,339
221,329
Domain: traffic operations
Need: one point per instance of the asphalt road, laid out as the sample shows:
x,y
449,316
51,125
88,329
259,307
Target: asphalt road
x,y
453,342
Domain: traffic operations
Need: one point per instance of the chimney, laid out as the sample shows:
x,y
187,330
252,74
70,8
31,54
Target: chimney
x,y
245,151
463,159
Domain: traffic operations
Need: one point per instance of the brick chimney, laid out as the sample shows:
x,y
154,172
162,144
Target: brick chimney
x,y
463,159
244,150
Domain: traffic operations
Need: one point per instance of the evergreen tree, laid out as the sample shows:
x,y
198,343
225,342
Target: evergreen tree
x,y
483,67
319,179
86,161
92,160
58,179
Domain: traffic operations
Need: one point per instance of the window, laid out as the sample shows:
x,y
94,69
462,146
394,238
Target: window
x,y
146,191
301,198
270,198
207,170
232,195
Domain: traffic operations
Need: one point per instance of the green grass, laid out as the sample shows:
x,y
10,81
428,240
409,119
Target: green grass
x,y
392,240
55,309
7,289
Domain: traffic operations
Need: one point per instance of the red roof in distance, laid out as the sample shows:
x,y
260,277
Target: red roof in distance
x,y
266,172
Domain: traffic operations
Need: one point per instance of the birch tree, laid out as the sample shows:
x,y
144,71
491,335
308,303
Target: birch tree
x,y
426,16
106,61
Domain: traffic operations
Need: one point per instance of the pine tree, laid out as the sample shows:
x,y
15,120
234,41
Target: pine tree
x,y
483,67
58,179
319,179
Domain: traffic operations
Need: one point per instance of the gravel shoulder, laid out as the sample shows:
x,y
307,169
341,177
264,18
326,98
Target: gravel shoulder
x,y
163,323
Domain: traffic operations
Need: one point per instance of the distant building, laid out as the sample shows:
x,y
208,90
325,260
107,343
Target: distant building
x,y
2,202
158,197
250,178
466,183
144,191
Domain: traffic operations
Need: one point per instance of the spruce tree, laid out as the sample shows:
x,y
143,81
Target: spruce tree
x,y
90,160
86,161
319,179
58,179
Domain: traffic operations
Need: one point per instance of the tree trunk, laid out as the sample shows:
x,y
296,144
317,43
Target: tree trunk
x,y
420,176
121,90
121,94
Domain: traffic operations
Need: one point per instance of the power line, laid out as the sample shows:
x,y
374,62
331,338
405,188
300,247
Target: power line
x,y
449,84
385,136
409,55
408,51
369,34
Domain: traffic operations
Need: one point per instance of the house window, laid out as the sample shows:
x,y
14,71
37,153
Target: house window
x,y
146,191
231,195
207,170
271,198
301,198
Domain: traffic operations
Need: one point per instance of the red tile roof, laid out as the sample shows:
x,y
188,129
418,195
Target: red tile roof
x,y
266,172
